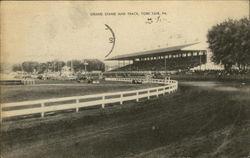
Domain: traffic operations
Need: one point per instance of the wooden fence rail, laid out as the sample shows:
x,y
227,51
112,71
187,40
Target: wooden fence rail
x,y
51,105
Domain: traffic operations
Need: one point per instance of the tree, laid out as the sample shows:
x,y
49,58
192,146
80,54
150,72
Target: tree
x,y
243,44
30,66
229,41
17,67
42,68
59,65
93,65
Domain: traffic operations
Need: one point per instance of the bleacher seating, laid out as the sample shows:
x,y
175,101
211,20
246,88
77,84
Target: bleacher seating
x,y
184,63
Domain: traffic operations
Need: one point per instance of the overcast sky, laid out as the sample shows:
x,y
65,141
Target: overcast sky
x,y
43,30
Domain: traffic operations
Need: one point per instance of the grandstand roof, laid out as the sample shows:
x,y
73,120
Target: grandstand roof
x,y
154,52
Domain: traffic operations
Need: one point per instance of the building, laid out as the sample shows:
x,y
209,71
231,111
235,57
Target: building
x,y
175,58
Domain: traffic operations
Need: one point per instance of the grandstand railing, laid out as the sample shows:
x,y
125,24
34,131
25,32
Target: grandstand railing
x,y
44,106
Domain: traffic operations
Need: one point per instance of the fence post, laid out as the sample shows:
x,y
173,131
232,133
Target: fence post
x,y
77,103
103,99
157,91
148,94
121,99
42,106
137,96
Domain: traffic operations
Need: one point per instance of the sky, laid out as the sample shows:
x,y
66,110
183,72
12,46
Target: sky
x,y
64,30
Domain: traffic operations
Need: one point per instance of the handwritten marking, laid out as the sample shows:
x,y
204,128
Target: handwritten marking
x,y
111,39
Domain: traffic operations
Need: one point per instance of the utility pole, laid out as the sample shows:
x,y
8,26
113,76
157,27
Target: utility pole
x,y
200,62
85,66
165,64
72,70
54,66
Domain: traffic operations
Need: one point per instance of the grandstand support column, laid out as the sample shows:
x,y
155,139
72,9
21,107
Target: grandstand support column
x,y
129,64
165,62
200,62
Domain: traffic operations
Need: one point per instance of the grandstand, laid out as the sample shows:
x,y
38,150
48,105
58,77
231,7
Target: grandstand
x,y
165,59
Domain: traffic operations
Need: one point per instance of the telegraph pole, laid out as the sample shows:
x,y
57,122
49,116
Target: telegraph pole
x,y
71,65
85,66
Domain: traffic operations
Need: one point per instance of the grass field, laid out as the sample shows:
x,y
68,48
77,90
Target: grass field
x,y
55,89
202,119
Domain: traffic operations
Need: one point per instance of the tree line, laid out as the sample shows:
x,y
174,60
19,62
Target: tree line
x,y
57,65
230,43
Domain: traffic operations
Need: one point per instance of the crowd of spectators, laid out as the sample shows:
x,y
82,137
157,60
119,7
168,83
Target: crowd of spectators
x,y
222,72
214,74
160,64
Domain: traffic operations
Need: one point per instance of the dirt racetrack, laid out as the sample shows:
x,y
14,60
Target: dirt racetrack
x,y
202,119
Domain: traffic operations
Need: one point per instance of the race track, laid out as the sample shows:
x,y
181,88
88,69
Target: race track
x,y
202,119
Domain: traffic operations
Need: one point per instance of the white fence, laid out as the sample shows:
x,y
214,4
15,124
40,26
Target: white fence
x,y
28,81
51,105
